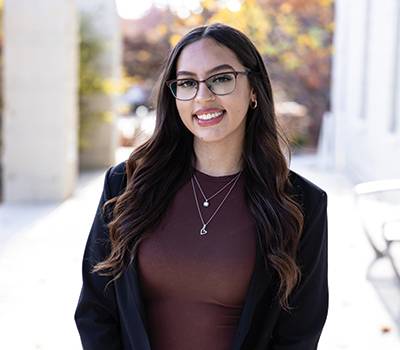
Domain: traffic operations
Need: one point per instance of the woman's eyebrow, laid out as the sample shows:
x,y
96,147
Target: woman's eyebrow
x,y
212,70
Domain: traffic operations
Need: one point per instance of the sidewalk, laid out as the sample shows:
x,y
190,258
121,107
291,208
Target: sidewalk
x,y
41,248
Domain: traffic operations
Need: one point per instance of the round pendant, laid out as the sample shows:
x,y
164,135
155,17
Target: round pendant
x,y
205,204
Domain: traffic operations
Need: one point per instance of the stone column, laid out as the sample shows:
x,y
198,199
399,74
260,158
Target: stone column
x,y
338,86
40,100
99,134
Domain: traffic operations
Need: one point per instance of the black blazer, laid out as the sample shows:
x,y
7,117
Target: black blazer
x,y
115,318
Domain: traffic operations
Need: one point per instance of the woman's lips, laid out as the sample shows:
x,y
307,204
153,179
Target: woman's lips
x,y
210,119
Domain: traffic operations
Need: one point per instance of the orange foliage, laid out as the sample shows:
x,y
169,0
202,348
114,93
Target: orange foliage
x,y
294,36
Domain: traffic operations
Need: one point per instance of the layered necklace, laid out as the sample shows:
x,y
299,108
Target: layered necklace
x,y
206,201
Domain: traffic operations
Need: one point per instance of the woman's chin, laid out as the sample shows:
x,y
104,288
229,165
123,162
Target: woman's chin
x,y
210,137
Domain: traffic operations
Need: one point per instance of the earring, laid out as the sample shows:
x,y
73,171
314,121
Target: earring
x,y
254,104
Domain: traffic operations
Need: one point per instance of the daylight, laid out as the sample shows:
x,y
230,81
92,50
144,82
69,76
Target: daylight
x,y
129,9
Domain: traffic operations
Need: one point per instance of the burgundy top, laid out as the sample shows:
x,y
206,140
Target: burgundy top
x,y
193,285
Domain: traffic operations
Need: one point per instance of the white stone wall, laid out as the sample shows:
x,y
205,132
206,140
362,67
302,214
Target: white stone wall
x,y
364,83
40,100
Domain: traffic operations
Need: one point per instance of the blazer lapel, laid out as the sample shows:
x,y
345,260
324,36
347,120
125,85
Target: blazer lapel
x,y
259,283
131,308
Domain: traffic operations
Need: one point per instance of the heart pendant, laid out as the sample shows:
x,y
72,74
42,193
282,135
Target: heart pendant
x,y
203,230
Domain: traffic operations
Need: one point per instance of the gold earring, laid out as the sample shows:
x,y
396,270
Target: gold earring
x,y
254,104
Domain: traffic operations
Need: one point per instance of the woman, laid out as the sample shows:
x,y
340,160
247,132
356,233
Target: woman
x,y
204,239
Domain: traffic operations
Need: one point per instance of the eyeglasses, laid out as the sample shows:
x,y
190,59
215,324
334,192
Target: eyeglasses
x,y
219,84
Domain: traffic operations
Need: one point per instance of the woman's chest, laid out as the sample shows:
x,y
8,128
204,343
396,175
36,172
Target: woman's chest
x,y
176,261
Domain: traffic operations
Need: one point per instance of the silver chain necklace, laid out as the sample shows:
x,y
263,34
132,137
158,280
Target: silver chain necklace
x,y
203,230
206,202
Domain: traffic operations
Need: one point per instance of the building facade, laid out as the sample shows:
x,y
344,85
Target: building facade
x,y
361,135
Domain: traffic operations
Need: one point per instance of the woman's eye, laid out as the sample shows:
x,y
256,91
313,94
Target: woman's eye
x,y
222,78
186,83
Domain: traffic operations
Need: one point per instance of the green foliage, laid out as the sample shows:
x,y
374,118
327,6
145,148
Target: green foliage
x,y
92,84
90,81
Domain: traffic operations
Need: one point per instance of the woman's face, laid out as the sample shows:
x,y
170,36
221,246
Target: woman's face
x,y
213,118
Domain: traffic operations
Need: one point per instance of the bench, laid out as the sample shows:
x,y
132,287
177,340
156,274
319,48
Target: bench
x,y
378,204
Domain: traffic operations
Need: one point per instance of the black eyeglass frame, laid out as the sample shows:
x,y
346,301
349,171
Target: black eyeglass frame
x,y
236,73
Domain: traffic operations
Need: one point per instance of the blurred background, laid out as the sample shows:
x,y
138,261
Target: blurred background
x,y
77,88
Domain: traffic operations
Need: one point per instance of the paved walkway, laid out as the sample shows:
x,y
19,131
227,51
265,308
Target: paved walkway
x,y
41,247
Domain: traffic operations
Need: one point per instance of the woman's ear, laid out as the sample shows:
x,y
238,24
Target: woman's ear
x,y
253,95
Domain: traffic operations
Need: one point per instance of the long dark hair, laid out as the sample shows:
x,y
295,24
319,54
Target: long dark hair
x,y
159,167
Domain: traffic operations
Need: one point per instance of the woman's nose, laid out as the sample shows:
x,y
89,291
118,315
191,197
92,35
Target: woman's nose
x,y
203,92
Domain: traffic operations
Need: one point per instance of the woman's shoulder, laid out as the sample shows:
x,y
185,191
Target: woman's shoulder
x,y
116,178
306,192
118,170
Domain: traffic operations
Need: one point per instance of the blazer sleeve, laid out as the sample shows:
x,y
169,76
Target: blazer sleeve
x,y
96,314
300,328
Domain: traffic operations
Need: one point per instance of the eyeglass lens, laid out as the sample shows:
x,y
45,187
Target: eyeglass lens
x,y
220,84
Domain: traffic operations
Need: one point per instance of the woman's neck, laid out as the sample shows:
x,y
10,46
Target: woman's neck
x,y
216,159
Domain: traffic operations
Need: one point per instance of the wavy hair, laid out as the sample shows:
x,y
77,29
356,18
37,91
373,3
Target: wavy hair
x,y
159,167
